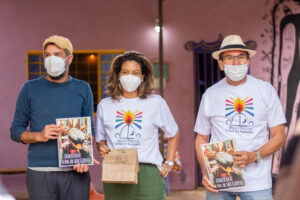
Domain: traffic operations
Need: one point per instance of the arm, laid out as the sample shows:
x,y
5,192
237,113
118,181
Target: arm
x,y
49,132
172,147
203,139
100,133
277,140
167,124
21,121
88,107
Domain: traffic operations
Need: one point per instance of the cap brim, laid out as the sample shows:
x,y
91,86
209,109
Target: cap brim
x,y
216,54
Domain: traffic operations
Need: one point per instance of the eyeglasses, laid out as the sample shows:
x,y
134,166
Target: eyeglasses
x,y
229,59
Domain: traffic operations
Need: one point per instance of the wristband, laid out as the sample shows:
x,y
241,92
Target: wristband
x,y
170,163
258,156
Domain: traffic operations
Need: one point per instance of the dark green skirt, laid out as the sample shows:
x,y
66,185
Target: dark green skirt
x,y
151,186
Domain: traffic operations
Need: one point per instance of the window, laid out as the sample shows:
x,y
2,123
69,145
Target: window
x,y
91,66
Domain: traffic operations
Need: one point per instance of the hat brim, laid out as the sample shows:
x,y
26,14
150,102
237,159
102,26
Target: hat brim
x,y
216,54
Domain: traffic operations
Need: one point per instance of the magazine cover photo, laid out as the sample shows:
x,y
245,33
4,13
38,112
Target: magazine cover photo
x,y
75,141
220,167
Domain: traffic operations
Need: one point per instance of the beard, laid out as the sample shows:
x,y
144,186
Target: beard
x,y
57,77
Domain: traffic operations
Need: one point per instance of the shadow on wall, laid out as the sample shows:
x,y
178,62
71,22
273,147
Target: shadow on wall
x,y
282,60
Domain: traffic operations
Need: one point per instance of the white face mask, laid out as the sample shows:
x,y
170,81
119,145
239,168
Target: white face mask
x,y
235,72
55,66
130,83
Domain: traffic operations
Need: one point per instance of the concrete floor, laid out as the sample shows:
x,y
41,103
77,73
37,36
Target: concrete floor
x,y
198,194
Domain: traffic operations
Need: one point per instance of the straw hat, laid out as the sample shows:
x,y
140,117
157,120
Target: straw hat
x,y
232,42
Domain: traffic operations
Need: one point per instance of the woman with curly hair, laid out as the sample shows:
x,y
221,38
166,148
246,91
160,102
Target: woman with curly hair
x,y
131,118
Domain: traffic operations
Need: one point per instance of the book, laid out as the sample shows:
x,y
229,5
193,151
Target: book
x,y
75,141
222,172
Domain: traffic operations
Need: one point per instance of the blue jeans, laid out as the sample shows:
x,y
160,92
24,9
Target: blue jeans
x,y
255,195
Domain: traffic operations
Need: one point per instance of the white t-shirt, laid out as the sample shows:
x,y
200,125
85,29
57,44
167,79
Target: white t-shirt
x,y
134,123
244,113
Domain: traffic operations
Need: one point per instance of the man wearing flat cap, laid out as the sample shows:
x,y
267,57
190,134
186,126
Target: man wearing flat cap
x,y
40,102
248,110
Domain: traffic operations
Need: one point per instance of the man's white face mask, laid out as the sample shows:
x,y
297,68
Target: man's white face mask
x,y
130,83
55,66
235,72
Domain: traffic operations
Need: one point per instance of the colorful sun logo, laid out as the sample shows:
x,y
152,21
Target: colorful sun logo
x,y
239,106
129,118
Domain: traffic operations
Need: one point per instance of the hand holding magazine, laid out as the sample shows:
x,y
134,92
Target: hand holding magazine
x,y
221,170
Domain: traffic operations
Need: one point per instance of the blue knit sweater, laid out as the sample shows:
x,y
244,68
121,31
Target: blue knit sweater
x,y
39,103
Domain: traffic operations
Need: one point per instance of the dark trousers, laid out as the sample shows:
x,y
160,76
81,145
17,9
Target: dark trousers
x,y
69,185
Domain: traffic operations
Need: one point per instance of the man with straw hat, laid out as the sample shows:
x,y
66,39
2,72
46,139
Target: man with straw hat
x,y
248,110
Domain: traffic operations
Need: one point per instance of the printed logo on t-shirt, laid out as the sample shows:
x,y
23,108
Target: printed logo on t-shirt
x,y
239,115
128,128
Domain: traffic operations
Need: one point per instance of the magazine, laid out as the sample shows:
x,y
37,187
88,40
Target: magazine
x,y
75,141
222,172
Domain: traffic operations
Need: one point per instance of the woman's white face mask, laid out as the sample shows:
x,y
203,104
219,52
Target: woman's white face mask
x,y
235,72
55,66
130,83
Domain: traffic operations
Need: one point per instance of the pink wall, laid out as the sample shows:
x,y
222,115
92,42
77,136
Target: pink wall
x,y
119,24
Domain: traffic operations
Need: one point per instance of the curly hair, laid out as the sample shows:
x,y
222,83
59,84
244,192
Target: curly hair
x,y
114,88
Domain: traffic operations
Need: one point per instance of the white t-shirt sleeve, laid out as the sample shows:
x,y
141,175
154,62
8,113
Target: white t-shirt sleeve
x,y
166,120
100,131
276,115
203,125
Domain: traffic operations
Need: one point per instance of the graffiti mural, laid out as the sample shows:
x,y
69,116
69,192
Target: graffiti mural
x,y
281,58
